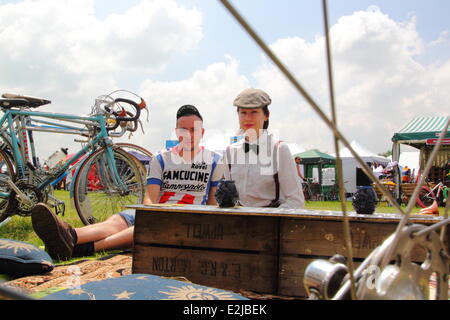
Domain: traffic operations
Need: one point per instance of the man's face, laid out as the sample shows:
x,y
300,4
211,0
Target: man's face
x,y
189,132
251,120
298,160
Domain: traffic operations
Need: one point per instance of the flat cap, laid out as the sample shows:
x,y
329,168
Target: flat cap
x,y
252,98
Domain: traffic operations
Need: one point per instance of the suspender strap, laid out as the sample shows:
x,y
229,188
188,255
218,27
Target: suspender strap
x,y
275,176
275,202
229,160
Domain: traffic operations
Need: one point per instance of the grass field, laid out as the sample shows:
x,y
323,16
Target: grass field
x,y
20,228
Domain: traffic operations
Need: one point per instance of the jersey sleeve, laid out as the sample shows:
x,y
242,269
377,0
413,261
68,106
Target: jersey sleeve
x,y
218,171
156,169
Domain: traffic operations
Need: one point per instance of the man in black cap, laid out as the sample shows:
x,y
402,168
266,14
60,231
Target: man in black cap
x,y
185,174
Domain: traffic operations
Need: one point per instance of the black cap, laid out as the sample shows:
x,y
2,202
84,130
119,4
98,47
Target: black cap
x,y
188,110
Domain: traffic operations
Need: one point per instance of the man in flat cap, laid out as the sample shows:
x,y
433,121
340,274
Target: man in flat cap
x,y
261,167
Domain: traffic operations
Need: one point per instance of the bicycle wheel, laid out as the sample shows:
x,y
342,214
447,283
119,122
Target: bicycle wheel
x,y
97,196
306,192
425,197
6,170
141,155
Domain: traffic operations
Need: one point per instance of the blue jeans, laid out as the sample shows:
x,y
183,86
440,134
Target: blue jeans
x,y
128,215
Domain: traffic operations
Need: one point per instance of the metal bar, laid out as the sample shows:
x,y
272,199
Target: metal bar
x,y
311,102
433,227
346,223
57,130
385,260
65,117
16,151
55,124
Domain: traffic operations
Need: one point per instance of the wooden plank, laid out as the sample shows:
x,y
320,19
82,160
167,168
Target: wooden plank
x,y
315,238
279,212
262,250
225,270
196,230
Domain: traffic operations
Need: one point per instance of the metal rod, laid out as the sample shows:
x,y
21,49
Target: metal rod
x,y
447,208
311,102
385,260
57,130
346,222
431,228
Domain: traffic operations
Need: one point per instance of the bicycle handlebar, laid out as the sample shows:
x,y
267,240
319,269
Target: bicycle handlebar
x,y
134,104
119,118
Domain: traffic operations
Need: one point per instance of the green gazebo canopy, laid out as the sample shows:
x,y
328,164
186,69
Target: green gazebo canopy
x,y
315,156
421,129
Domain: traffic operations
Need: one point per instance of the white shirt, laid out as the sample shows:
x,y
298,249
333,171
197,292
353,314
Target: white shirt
x,y
300,169
185,182
254,174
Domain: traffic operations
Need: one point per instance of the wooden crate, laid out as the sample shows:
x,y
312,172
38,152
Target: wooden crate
x,y
229,252
264,250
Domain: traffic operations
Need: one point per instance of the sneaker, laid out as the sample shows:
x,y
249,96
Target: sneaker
x,y
55,233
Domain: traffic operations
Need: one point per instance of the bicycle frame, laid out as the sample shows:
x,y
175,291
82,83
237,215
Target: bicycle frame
x,y
26,124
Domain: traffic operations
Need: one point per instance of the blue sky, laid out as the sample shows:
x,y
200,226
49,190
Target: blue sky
x,y
391,63
282,18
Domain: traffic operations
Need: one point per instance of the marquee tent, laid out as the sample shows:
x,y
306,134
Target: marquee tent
x,y
313,159
422,133
350,166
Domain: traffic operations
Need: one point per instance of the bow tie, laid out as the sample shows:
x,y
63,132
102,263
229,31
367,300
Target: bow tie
x,y
248,147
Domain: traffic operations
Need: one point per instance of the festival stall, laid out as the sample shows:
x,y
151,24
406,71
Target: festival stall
x,y
320,168
351,168
422,133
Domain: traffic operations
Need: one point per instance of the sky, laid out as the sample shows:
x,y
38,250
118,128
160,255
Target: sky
x,y
391,62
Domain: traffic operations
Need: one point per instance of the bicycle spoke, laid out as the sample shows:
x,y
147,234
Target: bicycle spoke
x,y
107,198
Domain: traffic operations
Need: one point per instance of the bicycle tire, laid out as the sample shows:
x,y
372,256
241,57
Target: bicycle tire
x,y
306,192
425,197
140,151
7,167
96,197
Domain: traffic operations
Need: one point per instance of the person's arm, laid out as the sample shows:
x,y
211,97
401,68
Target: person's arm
x,y
300,172
218,174
211,197
154,182
290,186
152,194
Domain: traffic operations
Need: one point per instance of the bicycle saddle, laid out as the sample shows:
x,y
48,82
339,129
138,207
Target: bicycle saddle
x,y
10,100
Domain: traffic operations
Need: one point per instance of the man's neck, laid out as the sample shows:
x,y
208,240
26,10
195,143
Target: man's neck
x,y
188,155
254,137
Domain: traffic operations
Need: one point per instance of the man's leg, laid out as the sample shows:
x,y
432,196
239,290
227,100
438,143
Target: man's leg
x,y
63,241
120,240
101,230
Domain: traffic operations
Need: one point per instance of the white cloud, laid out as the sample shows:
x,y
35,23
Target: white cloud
x,y
211,90
60,44
443,37
379,83
60,50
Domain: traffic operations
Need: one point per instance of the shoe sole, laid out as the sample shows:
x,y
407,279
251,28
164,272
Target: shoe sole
x,y
46,227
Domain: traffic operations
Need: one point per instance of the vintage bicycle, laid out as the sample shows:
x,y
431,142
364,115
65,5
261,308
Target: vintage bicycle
x,y
427,195
106,178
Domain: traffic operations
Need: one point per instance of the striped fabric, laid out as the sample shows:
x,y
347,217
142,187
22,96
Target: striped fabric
x,y
422,128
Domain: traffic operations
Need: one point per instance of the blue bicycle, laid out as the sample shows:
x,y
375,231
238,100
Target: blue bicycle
x,y
106,176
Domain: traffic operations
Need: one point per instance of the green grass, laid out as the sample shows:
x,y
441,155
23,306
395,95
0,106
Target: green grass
x,y
20,228
382,207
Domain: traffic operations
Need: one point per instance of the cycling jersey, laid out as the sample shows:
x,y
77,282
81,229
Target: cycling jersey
x,y
185,182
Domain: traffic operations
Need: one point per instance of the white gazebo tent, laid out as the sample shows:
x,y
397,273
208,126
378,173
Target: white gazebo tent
x,y
350,165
